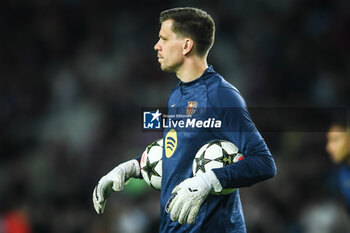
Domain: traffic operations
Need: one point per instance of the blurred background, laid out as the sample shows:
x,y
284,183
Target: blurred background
x,y
75,74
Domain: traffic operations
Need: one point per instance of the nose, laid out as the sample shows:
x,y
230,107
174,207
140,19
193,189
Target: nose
x,y
156,46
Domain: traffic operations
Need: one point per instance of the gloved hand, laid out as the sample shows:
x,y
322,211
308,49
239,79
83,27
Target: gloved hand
x,y
189,195
114,181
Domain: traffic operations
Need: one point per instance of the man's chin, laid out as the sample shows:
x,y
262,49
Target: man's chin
x,y
166,68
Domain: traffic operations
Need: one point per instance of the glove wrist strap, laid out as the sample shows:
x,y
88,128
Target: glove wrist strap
x,y
215,183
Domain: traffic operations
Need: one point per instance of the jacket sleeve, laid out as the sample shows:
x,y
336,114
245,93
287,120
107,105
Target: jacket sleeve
x,y
238,127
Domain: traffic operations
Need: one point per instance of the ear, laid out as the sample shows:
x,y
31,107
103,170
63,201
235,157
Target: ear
x,y
187,46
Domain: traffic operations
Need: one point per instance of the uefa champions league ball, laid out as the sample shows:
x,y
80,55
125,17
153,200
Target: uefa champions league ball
x,y
216,154
151,164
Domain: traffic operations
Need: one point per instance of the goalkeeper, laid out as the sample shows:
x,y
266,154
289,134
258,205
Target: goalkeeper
x,y
185,38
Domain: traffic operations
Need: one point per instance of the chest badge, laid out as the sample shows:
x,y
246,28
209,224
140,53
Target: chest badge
x,y
191,107
170,143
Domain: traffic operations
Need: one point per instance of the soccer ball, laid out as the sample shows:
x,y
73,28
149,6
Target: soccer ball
x,y
216,154
151,164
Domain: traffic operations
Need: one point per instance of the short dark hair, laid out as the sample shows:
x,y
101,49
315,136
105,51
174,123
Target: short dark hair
x,y
194,23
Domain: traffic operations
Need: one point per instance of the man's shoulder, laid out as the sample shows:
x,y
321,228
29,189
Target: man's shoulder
x,y
215,82
222,93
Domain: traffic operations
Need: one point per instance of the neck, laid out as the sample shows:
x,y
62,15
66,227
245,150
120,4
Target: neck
x,y
192,69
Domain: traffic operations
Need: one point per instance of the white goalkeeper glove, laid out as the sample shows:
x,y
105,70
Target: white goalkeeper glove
x,y
114,181
189,195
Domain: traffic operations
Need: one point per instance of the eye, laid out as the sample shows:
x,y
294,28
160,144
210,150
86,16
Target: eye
x,y
163,38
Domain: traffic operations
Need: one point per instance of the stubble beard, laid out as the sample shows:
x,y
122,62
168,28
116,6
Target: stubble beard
x,y
171,69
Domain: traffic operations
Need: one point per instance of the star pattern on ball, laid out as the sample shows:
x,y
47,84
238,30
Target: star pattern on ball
x,y
201,162
226,158
150,169
218,142
155,143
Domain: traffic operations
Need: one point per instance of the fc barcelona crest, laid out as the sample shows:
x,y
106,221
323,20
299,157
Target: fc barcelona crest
x,y
191,107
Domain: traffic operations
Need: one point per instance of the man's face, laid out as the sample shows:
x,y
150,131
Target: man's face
x,y
169,48
338,145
